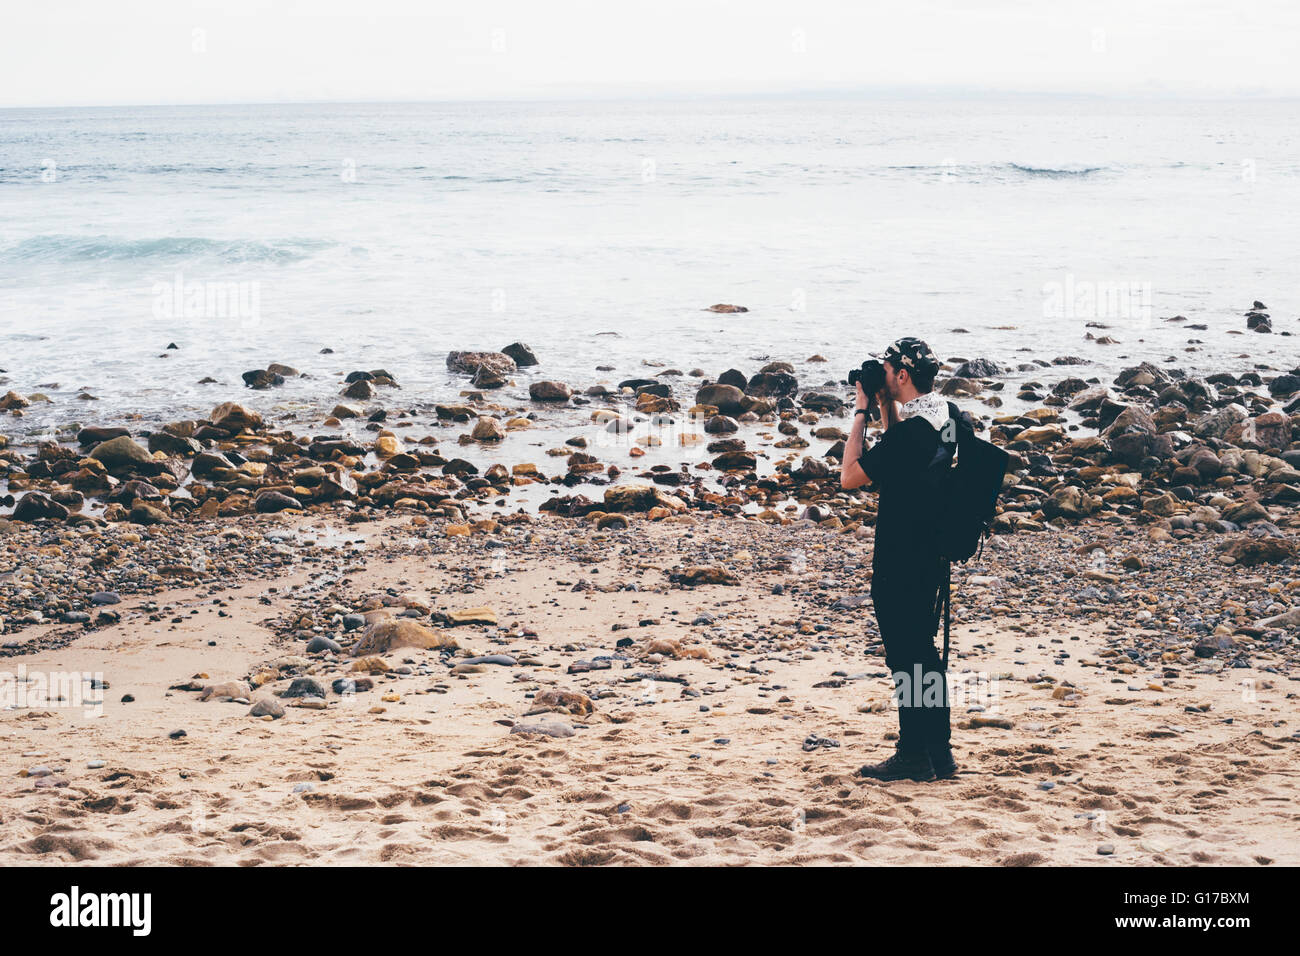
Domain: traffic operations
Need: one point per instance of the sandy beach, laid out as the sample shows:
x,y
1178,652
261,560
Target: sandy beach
x,y
724,731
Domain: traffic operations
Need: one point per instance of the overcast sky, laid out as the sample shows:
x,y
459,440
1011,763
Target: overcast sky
x,y
102,52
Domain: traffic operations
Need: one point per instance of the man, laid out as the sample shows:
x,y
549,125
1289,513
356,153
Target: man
x,y
907,570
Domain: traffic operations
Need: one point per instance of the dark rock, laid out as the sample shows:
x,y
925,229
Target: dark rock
x,y
978,368
521,354
35,506
305,687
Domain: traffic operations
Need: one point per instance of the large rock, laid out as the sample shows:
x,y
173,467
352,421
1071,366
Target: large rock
x,y
1270,430
549,391
120,454
235,418
1070,502
821,402
470,363
94,434
772,385
1132,417
488,429
1217,423
385,635
735,461
174,446
1284,385
523,356
1248,552
638,497
34,506
727,399
978,368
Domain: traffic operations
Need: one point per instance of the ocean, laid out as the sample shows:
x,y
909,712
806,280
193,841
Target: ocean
x,y
598,233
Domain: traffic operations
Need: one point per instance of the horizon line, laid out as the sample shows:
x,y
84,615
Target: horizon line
x,y
901,92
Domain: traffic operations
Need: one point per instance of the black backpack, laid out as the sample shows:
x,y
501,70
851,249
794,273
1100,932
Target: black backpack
x,y
965,476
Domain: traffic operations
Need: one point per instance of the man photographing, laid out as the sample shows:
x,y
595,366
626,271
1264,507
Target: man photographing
x,y
907,568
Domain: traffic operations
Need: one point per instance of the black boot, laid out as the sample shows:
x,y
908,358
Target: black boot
x,y
942,761
901,766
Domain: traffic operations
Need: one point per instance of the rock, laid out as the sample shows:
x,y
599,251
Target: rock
x,y
488,429
772,385
173,446
235,418
727,399
384,635
230,688
978,368
721,425
120,453
1217,423
548,729
361,389
821,402
95,435
266,707
1284,385
735,461
733,376
305,687
979,720
35,506
1246,512
1248,552
961,386
473,615
260,378
502,660
270,502
471,363
724,308
561,702
146,514
521,354
703,574
640,497
321,643
1270,430
548,391
1289,618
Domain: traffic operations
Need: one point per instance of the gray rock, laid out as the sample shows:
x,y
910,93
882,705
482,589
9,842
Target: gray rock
x,y
266,707
305,687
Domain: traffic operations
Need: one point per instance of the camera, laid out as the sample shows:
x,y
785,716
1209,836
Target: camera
x,y
871,375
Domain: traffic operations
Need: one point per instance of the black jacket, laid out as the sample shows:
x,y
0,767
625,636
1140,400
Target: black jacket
x,y
906,519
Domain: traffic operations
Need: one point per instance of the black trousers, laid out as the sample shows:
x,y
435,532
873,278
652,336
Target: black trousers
x,y
905,599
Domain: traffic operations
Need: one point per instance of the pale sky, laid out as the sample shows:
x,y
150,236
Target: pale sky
x,y
111,52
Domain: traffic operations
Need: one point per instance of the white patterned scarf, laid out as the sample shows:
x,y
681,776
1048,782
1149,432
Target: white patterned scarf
x,y
933,408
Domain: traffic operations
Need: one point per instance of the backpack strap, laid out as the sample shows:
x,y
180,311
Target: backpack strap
x,y
947,610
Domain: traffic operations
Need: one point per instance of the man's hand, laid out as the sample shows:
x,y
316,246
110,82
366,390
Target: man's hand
x,y
862,397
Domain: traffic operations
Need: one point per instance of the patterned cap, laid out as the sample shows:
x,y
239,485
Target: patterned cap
x,y
910,353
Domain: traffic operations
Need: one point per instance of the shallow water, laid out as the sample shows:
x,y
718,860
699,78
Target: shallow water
x,y
598,232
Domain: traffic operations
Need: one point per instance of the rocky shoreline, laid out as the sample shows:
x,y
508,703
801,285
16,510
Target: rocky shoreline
x,y
1211,463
